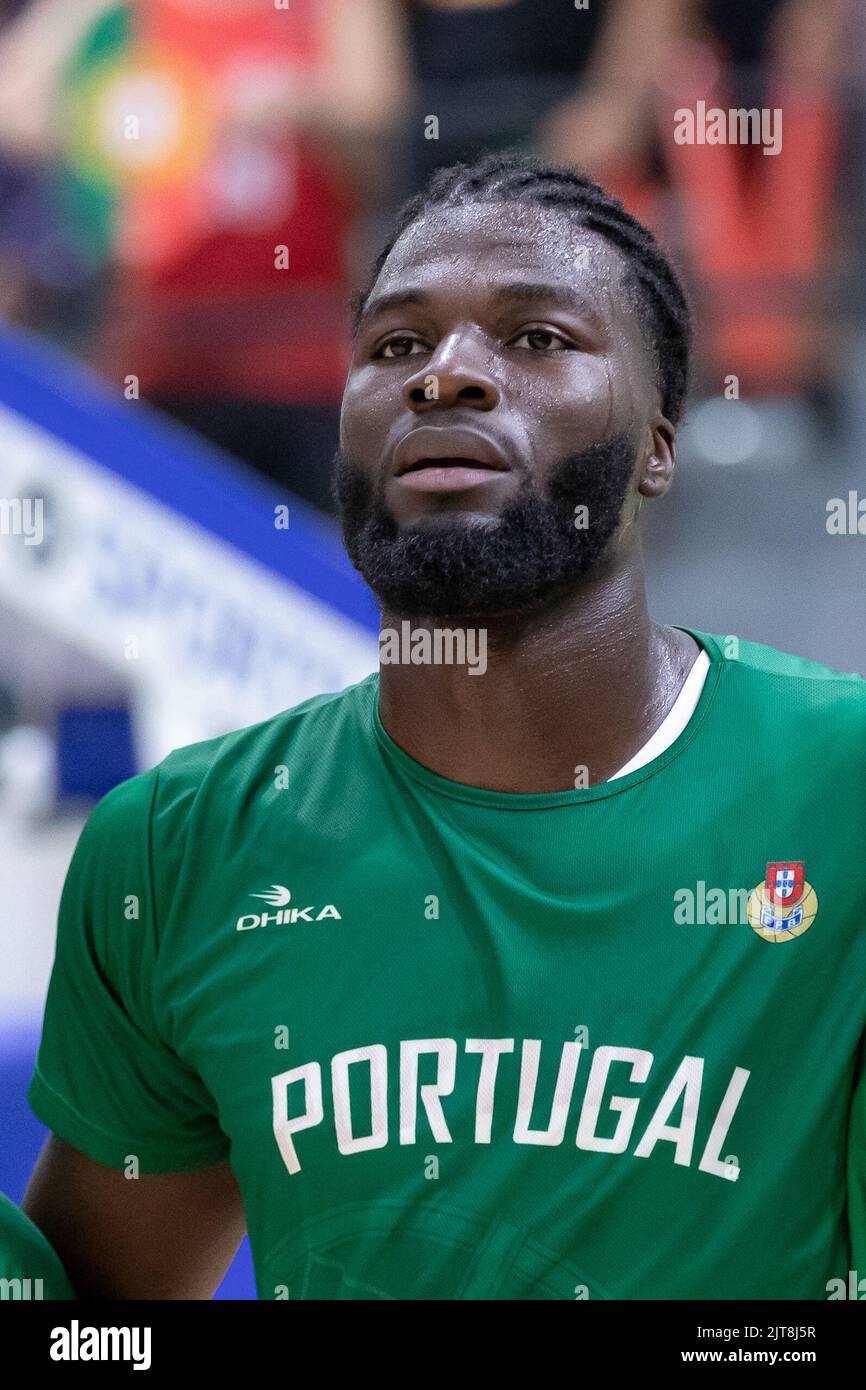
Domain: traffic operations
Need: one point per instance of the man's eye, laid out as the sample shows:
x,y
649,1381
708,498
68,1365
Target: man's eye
x,y
400,346
541,340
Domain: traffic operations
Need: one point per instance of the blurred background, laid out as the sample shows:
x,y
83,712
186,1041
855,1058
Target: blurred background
x,y
189,191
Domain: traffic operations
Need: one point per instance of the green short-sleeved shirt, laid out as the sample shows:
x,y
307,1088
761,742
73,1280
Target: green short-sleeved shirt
x,y
456,1043
29,1268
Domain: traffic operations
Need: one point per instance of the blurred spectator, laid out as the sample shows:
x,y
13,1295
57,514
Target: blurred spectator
x,y
220,166
241,134
853,157
486,72
760,231
50,275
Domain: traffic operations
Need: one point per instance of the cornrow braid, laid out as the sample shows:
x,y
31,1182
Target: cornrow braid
x,y
517,177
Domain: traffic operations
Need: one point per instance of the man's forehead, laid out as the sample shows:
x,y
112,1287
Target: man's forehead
x,y
525,235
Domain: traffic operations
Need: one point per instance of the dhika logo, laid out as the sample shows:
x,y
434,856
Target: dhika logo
x,y
279,897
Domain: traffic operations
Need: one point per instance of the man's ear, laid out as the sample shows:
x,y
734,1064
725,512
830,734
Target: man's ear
x,y
659,459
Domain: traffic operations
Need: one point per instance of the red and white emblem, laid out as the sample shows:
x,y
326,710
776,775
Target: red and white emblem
x,y
784,882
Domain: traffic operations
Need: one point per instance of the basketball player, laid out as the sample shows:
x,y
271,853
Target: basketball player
x,y
460,985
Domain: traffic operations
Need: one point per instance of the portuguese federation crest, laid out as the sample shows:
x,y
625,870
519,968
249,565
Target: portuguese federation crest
x,y
784,905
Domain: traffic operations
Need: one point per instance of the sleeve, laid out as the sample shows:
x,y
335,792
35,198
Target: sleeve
x,y
855,1157
105,1081
29,1267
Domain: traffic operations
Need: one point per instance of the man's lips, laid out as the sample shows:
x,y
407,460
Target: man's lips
x,y
447,477
437,458
442,446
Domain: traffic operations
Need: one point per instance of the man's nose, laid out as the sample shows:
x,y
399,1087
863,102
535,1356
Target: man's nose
x,y
458,373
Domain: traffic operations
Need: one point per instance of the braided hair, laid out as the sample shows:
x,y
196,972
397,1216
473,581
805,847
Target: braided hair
x,y
517,177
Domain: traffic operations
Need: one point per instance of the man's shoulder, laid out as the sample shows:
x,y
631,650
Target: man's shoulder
x,y
322,717
227,765
761,658
790,686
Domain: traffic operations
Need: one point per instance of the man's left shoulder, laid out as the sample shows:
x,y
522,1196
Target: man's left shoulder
x,y
760,657
792,686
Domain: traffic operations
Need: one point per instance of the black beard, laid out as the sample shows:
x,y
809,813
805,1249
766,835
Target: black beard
x,y
527,557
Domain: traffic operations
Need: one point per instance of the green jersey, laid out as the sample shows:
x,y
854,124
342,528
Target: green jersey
x,y
467,1044
29,1268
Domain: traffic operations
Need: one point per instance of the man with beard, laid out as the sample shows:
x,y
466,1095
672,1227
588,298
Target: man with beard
x,y
353,1005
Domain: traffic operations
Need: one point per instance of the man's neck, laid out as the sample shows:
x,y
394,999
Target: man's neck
x,y
568,696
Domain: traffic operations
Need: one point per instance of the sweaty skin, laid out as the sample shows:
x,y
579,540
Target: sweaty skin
x,y
589,678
